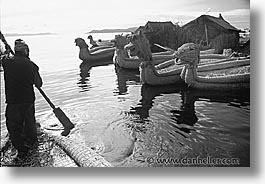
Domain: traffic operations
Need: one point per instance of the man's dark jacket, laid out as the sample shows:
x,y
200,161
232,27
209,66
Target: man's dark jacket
x,y
20,73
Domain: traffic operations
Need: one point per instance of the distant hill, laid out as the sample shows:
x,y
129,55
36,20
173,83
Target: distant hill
x,y
131,29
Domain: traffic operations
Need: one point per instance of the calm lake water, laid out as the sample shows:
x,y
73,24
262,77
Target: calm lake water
x,y
134,125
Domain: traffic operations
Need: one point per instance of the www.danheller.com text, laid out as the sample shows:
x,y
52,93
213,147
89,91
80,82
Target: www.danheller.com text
x,y
193,161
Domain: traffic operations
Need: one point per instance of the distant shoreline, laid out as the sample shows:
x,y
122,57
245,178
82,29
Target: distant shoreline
x,y
27,34
131,29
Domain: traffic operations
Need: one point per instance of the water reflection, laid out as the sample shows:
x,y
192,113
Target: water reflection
x,y
171,121
148,94
85,68
125,77
186,114
176,120
83,82
184,117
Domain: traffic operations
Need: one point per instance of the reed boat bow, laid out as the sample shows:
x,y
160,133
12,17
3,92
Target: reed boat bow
x,y
94,55
189,55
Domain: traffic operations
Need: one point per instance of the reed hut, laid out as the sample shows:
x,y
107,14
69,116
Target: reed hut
x,y
163,33
209,32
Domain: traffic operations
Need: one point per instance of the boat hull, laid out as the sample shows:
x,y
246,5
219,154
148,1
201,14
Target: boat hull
x,y
155,75
120,59
221,83
102,55
166,76
134,62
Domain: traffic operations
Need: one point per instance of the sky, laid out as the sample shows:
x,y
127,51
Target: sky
x,y
56,16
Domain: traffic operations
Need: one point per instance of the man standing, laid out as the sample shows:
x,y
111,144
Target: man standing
x,y
20,74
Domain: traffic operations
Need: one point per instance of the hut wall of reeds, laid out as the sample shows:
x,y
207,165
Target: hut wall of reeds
x,y
209,32
163,33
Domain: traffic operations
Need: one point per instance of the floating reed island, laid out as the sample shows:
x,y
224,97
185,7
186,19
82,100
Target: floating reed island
x,y
53,151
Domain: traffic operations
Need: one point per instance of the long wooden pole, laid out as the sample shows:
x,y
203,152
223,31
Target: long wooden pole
x,y
5,42
46,98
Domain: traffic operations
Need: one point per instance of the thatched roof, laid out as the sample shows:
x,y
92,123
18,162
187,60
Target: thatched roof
x,y
158,25
163,33
221,22
214,20
209,32
140,28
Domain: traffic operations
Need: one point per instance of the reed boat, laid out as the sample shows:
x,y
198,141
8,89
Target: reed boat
x,y
204,54
99,43
94,55
157,75
208,51
106,43
123,59
189,55
165,74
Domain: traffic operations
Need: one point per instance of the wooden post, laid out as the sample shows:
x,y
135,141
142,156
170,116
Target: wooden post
x,y
206,34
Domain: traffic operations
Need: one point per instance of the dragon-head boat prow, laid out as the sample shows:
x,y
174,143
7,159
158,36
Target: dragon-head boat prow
x,y
190,56
139,46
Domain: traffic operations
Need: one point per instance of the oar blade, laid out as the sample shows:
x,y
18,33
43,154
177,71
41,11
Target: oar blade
x,y
64,120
